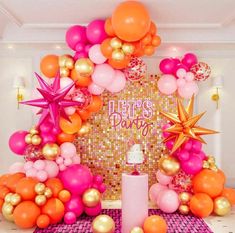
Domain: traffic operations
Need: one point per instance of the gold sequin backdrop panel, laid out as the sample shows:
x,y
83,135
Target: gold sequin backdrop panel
x,y
104,149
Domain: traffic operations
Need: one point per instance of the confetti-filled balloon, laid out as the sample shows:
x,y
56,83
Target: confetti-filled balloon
x,y
201,70
136,69
33,153
82,95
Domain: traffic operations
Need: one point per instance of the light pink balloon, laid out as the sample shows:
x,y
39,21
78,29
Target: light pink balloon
x,y
28,165
76,159
118,82
188,90
103,75
168,201
167,84
16,167
95,89
70,110
42,175
68,161
181,73
31,172
189,76
64,82
59,160
163,179
62,167
51,168
180,82
154,191
67,150
39,164
96,55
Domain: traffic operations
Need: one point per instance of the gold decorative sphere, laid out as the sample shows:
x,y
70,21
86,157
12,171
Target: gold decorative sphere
x,y
184,209
222,206
33,131
64,72
85,129
169,165
40,188
28,138
184,197
69,63
62,60
15,199
7,211
8,197
91,197
137,230
128,48
40,200
118,55
84,67
36,140
116,43
103,224
48,193
50,151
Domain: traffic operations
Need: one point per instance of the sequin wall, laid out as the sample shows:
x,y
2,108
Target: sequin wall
x,y
104,149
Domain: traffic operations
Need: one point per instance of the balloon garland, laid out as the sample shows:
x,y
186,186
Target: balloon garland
x,y
107,53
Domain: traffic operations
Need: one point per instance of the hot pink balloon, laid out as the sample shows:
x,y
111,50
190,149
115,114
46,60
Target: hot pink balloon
x,y
70,218
169,144
188,90
103,75
95,89
48,137
17,142
183,155
75,205
196,146
96,55
98,179
93,211
102,188
167,84
118,82
154,191
189,60
95,31
80,47
163,179
51,168
67,150
79,55
201,155
167,66
187,145
17,167
192,166
46,126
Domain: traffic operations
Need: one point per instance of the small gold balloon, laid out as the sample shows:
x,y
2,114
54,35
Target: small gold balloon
x,y
62,60
64,72
15,199
28,138
222,206
214,168
40,188
115,43
91,197
137,230
7,211
184,209
118,55
85,129
103,224
184,197
69,63
128,48
211,159
205,164
84,67
40,200
33,131
8,197
50,151
169,165
48,193
36,140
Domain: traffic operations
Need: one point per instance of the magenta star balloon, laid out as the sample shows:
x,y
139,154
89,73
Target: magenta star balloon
x,y
53,101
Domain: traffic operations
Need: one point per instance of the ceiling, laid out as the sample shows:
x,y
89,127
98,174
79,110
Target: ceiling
x,y
179,21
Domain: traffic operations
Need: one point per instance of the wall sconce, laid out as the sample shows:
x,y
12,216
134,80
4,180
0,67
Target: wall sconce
x,y
19,84
217,84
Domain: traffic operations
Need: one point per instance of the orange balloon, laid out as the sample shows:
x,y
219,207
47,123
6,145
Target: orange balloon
x,y
222,176
153,28
108,27
209,182
64,195
1,204
155,224
156,41
4,178
147,39
201,205
229,193
119,64
80,80
63,137
50,65
96,104
139,50
55,185
43,221
106,48
84,114
25,187
131,21
149,50
72,126
13,180
3,191
26,214
54,208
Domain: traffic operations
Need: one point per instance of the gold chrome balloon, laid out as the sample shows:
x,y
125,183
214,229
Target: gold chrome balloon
x,y
128,48
33,131
8,197
222,206
40,188
169,165
64,72
40,200
184,209
103,224
84,67
137,230
91,197
116,43
48,192
15,199
62,60
118,55
184,197
50,151
28,138
85,129
36,140
69,63
7,211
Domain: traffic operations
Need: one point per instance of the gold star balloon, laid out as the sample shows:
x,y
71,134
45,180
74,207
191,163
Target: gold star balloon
x,y
184,125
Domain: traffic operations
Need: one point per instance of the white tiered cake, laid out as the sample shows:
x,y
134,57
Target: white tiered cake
x,y
135,155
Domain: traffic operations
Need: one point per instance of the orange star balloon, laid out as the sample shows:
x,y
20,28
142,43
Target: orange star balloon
x,y
184,125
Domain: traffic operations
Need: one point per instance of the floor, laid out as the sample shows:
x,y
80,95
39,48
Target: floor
x,y
217,224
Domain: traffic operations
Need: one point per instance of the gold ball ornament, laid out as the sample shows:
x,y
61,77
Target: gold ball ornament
x,y
128,48
28,138
64,72
84,67
184,209
62,60
137,230
118,55
85,129
116,43
222,206
36,140
91,197
103,224
48,193
7,211
7,198
169,165
15,199
184,197
69,63
33,131
40,188
205,164
50,151
211,159
40,200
